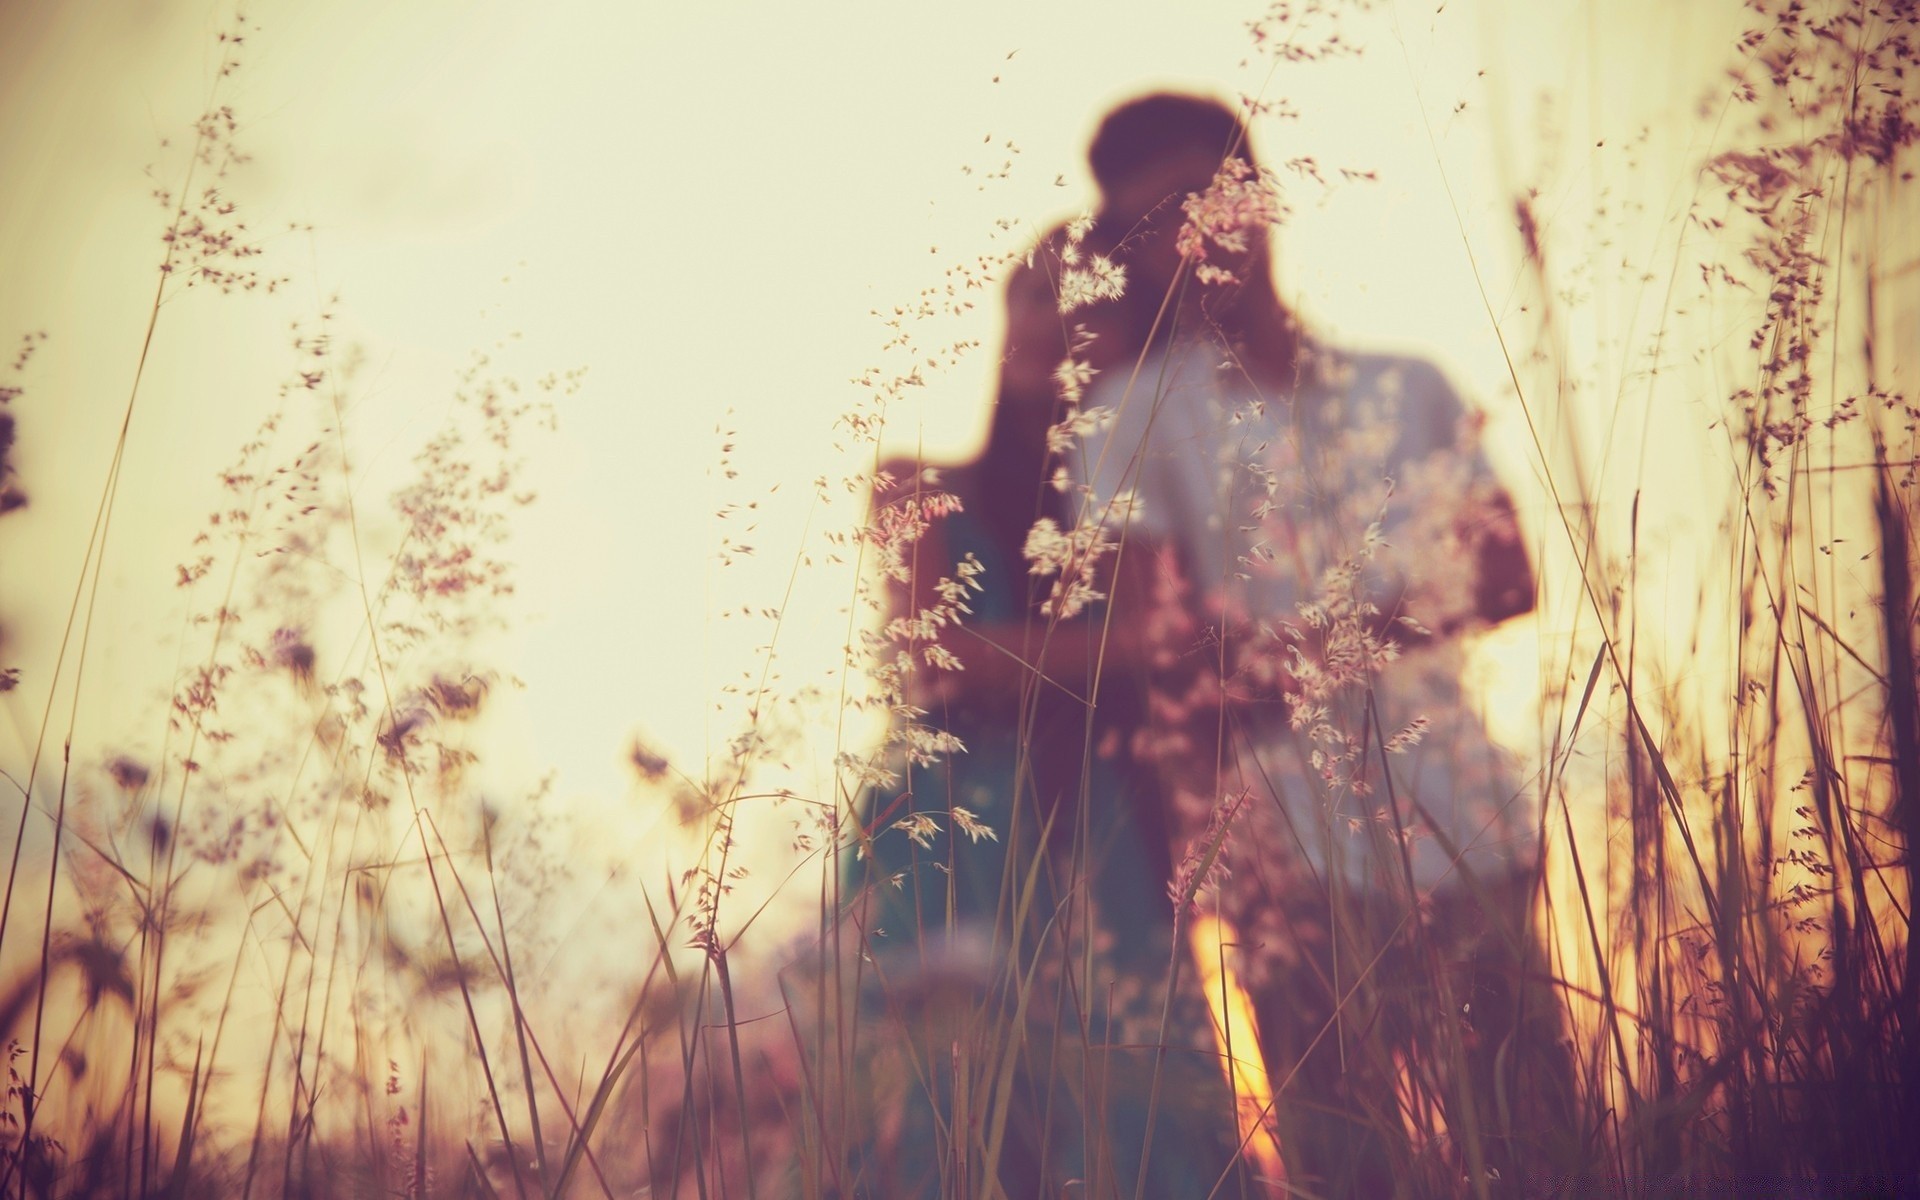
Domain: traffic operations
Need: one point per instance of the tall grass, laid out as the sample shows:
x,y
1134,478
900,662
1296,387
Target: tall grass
x,y
279,946
1747,917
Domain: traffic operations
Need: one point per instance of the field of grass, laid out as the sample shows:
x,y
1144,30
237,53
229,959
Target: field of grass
x,y
295,949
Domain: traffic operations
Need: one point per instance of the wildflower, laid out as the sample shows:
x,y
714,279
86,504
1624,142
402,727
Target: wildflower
x,y
1409,737
1072,377
1046,549
1372,541
1239,202
1076,427
920,828
1073,556
972,826
925,745
1205,864
865,772
1101,279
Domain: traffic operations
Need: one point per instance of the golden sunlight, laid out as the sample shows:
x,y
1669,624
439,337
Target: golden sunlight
x,y
610,599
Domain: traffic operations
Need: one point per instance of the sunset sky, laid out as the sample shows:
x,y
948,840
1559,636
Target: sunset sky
x,y
705,206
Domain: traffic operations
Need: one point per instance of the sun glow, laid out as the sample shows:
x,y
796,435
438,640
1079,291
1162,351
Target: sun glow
x,y
1212,941
588,312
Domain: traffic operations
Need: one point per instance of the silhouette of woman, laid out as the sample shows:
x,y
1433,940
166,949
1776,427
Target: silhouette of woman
x,y
1064,919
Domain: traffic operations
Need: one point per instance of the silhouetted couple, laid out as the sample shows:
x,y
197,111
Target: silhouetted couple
x,y
1214,672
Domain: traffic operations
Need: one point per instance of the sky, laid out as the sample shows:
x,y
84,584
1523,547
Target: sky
x,y
712,209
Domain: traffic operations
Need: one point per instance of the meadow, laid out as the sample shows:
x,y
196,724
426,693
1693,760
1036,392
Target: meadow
x,y
288,934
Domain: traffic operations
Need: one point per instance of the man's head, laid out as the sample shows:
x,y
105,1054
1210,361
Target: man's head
x,y
1162,147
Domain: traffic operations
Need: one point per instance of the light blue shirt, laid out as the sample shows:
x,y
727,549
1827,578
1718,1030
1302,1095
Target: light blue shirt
x,y
1262,494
